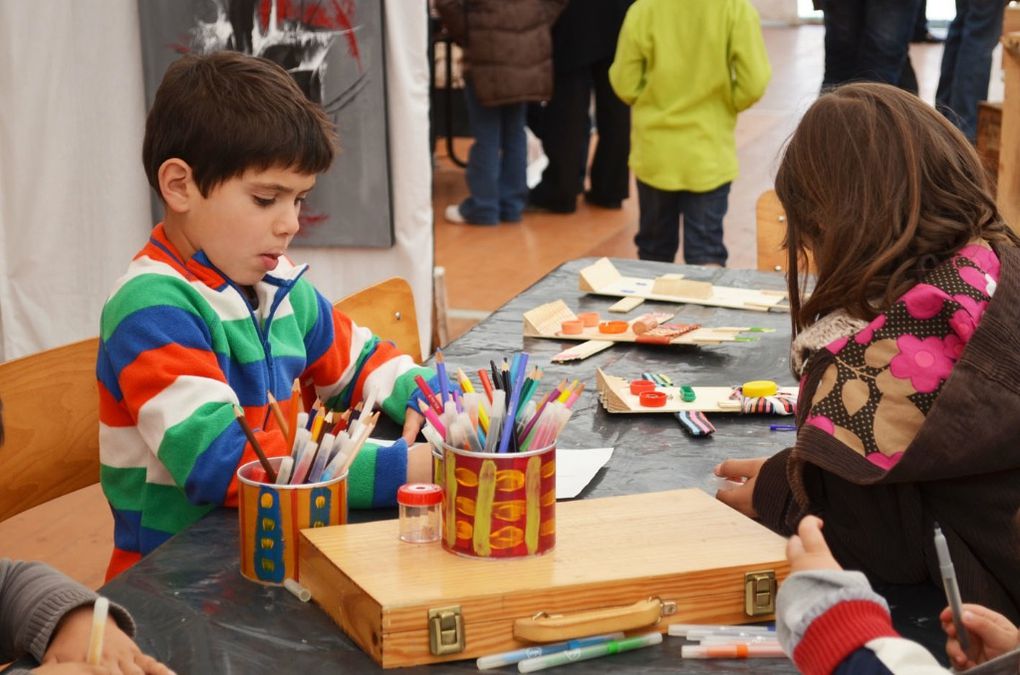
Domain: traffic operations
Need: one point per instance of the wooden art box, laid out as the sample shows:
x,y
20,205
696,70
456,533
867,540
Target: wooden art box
x,y
679,553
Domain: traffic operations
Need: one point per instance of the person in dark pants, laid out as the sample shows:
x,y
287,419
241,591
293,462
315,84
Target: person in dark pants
x,y
584,41
867,40
967,61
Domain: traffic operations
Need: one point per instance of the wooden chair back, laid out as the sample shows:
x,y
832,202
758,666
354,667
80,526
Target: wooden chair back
x,y
770,222
51,426
387,308
771,228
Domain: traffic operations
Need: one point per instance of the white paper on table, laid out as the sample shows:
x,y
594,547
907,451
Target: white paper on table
x,y
576,468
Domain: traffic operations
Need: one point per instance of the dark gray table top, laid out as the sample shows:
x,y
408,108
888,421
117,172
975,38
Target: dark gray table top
x,y
197,613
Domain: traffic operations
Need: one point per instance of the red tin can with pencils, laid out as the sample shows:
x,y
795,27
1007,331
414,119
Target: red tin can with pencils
x,y
271,516
498,505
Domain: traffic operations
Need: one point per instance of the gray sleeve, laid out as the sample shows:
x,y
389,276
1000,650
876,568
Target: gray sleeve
x,y
33,599
805,596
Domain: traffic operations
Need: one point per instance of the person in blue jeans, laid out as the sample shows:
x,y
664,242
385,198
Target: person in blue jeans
x,y
967,61
497,163
508,62
867,40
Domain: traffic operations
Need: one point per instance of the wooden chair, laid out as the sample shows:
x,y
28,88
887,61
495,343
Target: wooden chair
x,y
51,426
387,308
771,227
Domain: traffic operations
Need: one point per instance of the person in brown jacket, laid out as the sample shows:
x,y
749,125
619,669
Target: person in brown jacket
x,y
508,57
907,348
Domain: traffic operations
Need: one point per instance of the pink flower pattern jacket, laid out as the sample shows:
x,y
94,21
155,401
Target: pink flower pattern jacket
x,y
914,420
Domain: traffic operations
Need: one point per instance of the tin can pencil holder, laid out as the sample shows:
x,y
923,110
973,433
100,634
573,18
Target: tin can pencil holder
x,y
271,516
498,505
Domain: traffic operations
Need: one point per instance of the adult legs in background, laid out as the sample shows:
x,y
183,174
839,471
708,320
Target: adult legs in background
x,y
885,39
703,225
844,21
609,174
513,170
866,40
482,204
658,235
564,137
967,61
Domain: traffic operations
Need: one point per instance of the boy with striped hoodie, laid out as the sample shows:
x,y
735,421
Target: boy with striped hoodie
x,y
211,313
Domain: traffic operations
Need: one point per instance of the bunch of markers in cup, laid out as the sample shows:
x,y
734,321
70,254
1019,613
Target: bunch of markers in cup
x,y
323,443
505,417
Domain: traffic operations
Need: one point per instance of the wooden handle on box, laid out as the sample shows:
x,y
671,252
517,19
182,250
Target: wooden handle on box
x,y
544,627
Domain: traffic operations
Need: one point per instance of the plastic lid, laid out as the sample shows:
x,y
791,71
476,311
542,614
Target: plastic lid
x,y
572,327
419,494
589,319
613,326
638,386
652,399
756,388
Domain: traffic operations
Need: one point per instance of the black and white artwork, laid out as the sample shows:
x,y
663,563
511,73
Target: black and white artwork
x,y
334,50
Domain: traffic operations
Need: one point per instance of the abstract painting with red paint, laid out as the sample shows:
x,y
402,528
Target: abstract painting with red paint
x,y
334,50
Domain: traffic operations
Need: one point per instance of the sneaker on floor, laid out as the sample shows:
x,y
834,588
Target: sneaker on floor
x,y
453,215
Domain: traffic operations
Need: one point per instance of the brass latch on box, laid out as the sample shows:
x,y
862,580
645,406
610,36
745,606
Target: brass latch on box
x,y
760,593
446,630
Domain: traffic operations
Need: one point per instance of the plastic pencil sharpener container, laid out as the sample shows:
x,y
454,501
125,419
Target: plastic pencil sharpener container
x,y
421,506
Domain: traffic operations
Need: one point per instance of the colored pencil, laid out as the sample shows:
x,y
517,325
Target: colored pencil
x,y
270,471
429,395
281,421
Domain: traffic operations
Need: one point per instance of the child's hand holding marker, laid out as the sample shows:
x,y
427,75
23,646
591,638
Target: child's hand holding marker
x,y
79,646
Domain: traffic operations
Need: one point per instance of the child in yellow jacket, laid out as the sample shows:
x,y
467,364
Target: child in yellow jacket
x,y
687,69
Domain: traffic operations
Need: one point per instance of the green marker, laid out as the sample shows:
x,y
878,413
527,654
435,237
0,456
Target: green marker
x,y
592,652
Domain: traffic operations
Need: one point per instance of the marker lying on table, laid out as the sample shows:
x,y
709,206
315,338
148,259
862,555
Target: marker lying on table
x,y
517,655
782,427
732,651
592,652
688,629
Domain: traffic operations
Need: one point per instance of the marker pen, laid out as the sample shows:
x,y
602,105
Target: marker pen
x,y
732,651
592,652
951,587
517,655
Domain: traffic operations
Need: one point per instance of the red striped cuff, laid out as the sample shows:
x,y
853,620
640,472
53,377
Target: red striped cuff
x,y
842,629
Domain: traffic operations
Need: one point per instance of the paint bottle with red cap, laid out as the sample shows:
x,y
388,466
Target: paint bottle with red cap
x,y
420,508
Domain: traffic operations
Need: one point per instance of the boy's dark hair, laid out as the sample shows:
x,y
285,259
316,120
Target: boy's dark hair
x,y
226,112
879,187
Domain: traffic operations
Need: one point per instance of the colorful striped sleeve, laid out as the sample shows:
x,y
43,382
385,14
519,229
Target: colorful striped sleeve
x,y
165,354
830,621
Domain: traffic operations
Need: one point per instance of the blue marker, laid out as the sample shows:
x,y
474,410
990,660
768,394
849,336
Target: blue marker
x,y
518,655
782,427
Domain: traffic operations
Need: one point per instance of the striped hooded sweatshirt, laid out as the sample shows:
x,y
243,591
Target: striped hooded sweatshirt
x,y
180,345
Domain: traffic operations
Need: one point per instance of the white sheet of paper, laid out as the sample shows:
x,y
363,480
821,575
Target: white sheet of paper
x,y
576,468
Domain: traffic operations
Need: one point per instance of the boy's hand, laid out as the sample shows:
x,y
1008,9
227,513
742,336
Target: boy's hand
x,y
991,634
70,641
412,426
745,472
807,549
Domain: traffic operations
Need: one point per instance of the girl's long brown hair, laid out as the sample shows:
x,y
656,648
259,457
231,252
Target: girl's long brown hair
x,y
879,188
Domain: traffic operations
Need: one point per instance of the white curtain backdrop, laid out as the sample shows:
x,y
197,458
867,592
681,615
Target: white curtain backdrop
x,y
73,196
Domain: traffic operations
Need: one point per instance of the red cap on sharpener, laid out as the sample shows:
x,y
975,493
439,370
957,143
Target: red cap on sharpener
x,y
419,494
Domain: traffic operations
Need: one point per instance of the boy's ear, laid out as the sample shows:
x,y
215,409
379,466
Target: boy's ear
x,y
176,185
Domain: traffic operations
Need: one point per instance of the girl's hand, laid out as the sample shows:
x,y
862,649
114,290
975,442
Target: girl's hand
x,y
69,648
744,472
807,549
991,634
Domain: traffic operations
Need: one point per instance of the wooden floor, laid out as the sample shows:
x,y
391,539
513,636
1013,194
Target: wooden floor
x,y
75,533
